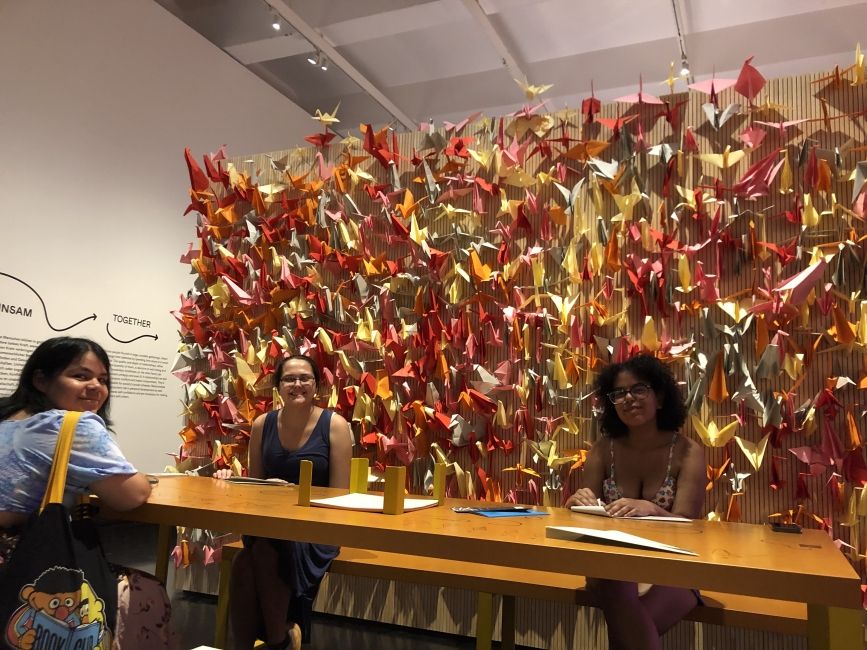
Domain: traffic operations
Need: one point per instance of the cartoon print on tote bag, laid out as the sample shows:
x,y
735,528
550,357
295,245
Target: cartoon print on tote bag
x,y
59,610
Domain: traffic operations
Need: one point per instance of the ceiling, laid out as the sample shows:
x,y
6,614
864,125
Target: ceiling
x,y
445,59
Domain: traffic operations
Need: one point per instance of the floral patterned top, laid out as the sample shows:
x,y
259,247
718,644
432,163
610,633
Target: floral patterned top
x,y
27,448
664,496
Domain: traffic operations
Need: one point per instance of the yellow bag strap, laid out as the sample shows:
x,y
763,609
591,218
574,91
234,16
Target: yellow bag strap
x,y
57,479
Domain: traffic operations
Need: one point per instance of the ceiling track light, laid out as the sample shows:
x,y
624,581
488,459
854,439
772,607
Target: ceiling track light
x,y
685,71
276,23
316,57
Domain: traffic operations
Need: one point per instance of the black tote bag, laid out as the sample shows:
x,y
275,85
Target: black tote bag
x,y
57,590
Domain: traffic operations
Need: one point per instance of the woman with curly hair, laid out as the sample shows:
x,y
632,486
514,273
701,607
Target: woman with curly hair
x,y
642,466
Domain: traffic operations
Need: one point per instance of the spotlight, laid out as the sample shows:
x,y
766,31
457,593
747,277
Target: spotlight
x,y
323,64
276,24
313,58
684,67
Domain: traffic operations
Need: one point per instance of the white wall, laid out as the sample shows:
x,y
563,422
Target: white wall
x,y
98,98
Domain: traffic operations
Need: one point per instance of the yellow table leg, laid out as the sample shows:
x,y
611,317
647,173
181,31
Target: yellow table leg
x,y
507,623
305,480
165,544
439,482
835,628
222,623
485,622
358,471
395,486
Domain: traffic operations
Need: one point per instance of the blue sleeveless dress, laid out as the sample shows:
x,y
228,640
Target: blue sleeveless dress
x,y
302,564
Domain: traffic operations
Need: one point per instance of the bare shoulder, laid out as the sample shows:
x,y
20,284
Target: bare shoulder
x,y
602,445
340,429
600,450
340,433
259,423
689,449
688,445
338,421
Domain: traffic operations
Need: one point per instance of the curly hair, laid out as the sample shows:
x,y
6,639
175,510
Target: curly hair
x,y
670,417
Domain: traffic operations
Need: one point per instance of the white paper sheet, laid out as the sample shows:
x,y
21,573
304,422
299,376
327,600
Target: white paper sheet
x,y
602,536
257,481
369,502
601,512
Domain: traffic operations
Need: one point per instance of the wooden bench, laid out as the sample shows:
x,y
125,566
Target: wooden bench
x,y
781,617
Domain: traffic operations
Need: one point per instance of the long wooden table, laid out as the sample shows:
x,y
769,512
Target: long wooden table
x,y
733,558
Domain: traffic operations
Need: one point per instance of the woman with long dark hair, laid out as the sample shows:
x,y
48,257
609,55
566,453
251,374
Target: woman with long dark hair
x,y
62,374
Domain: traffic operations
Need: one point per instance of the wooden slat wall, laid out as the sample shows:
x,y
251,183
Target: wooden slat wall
x,y
538,624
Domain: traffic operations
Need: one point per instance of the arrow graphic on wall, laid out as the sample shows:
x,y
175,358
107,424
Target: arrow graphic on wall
x,y
45,309
141,336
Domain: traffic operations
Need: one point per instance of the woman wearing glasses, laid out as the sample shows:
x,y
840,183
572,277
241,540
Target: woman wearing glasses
x,y
642,466
273,577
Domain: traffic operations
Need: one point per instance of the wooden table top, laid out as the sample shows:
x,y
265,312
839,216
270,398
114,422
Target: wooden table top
x,y
733,558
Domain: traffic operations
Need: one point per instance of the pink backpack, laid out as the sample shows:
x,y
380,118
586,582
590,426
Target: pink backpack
x,y
144,613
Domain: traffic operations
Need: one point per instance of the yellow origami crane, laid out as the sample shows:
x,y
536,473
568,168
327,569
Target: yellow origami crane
x,y
649,337
754,451
684,274
327,119
711,435
809,214
463,479
522,471
626,202
724,160
858,67
530,91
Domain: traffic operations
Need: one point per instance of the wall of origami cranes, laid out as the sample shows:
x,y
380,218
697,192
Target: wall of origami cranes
x,y
461,287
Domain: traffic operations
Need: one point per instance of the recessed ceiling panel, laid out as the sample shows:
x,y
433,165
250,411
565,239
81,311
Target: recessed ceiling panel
x,y
436,58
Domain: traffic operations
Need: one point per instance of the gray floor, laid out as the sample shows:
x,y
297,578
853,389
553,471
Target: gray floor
x,y
193,614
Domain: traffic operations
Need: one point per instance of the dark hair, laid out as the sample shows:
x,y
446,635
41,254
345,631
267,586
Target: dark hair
x,y
49,359
670,417
278,371
59,580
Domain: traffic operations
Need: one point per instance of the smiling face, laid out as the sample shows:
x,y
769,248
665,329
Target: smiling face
x,y
639,405
81,386
297,383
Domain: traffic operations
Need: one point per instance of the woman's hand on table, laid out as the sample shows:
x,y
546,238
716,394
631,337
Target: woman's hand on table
x,y
582,497
223,474
631,508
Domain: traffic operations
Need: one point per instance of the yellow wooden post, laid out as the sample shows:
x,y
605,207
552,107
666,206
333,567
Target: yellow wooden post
x,y
395,484
485,622
358,476
222,624
835,628
439,482
166,539
305,480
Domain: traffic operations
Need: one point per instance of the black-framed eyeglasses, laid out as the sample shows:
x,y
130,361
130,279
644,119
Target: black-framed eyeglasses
x,y
297,379
638,391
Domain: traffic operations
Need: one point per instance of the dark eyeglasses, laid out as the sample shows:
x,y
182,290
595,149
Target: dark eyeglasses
x,y
297,379
638,392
